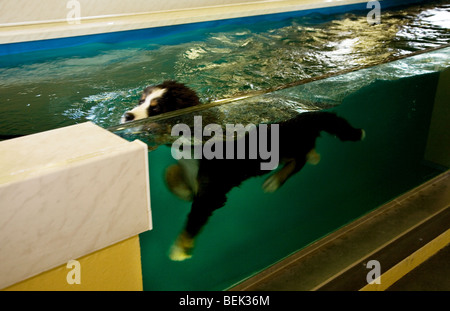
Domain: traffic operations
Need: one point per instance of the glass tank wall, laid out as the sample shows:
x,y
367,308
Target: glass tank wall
x,y
392,102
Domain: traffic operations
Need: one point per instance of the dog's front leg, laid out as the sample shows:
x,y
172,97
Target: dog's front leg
x,y
203,206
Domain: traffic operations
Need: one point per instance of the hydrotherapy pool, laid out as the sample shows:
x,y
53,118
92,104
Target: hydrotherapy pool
x,y
393,102
55,86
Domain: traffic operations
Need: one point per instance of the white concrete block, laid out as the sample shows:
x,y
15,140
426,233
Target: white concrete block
x,y
66,193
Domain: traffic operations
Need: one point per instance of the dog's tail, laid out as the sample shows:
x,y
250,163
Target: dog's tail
x,y
339,127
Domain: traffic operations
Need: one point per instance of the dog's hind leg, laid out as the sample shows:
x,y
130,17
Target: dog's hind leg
x,y
276,180
203,205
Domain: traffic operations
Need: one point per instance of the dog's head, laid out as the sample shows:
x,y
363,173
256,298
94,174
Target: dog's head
x,y
168,96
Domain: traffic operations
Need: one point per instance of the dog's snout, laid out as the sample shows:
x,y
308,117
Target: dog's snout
x,y
128,116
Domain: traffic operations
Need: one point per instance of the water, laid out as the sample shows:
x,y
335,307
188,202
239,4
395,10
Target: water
x,y
98,82
392,102
255,229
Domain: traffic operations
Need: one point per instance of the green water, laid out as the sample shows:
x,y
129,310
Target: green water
x,y
256,229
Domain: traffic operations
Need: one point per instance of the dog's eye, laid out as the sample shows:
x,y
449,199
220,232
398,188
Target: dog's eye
x,y
155,109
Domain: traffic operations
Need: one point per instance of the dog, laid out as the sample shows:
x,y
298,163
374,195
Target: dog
x,y
207,182
167,96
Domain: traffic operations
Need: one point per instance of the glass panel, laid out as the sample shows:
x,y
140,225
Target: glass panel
x,y
392,102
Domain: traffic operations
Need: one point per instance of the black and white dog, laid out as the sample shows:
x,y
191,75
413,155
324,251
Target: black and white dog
x,y
207,182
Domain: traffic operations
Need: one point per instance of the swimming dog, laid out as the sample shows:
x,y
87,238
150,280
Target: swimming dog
x,y
167,96
206,182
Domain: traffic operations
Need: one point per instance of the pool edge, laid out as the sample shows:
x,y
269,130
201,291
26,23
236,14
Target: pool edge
x,y
47,35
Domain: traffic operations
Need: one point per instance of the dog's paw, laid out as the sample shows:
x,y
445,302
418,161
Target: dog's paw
x,y
178,253
182,248
313,157
183,193
271,184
